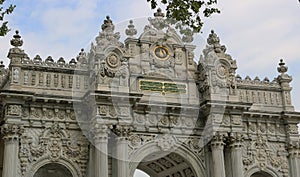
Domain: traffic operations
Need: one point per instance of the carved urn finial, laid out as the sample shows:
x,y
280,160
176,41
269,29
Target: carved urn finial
x,y
131,31
213,38
282,68
16,41
107,24
82,57
159,13
1,65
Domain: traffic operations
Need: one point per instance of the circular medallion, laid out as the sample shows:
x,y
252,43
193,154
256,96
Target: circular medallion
x,y
222,71
112,60
161,52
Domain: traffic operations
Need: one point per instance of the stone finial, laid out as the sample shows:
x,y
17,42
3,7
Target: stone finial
x,y
213,38
16,41
82,56
131,31
61,62
1,65
159,13
107,24
282,68
49,61
72,63
37,60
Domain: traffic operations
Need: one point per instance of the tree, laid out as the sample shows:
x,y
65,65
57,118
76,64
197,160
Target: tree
x,y
4,10
188,12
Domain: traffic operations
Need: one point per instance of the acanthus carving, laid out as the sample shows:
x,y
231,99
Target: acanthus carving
x,y
11,132
262,153
122,130
236,139
294,148
218,140
53,143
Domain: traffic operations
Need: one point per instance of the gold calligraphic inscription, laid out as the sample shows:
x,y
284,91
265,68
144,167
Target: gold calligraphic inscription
x,y
163,87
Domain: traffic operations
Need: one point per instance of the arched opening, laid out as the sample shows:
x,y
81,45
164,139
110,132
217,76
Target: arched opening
x,y
140,173
164,165
261,174
53,170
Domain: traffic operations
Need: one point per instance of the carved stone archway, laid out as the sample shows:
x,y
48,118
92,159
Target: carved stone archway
x,y
157,163
265,172
40,168
261,174
53,170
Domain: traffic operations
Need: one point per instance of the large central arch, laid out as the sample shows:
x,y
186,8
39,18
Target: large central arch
x,y
53,170
157,163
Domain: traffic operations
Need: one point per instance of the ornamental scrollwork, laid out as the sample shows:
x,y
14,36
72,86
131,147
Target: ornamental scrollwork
x,y
52,143
262,153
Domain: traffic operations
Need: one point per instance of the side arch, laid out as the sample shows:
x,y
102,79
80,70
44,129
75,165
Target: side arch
x,y
268,170
153,149
75,170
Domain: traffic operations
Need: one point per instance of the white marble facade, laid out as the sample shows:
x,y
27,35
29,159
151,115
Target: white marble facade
x,y
145,104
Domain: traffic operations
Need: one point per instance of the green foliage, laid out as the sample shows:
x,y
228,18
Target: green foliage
x,y
4,11
188,12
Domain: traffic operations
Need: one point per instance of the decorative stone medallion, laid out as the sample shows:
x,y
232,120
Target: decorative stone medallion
x,y
222,71
113,60
161,52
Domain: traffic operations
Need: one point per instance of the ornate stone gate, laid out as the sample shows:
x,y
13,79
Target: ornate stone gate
x,y
145,104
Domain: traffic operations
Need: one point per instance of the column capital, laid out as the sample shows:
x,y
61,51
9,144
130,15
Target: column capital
x,y
218,140
294,149
122,131
11,132
100,132
235,140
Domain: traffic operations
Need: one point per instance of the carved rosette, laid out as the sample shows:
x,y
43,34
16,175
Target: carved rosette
x,y
14,110
52,143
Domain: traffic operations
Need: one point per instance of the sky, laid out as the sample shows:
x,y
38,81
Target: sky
x,y
257,34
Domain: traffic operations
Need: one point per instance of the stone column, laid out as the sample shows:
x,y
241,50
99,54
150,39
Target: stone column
x,y
101,153
122,151
236,147
217,147
11,149
294,158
